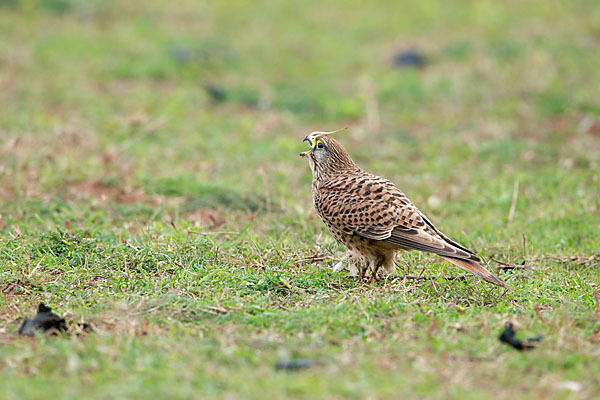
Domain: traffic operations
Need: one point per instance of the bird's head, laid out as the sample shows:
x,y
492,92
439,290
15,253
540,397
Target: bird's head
x,y
326,155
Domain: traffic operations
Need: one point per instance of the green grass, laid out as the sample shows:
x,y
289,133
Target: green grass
x,y
178,220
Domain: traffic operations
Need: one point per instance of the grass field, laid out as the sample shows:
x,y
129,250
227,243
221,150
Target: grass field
x,y
150,185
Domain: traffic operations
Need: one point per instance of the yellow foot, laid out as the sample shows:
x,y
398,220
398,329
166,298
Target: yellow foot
x,y
373,277
361,277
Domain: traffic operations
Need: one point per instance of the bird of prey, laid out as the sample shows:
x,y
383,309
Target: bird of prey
x,y
371,217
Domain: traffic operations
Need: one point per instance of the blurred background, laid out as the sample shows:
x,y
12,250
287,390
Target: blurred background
x,y
120,111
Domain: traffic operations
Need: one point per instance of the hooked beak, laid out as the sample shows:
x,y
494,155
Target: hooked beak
x,y
312,135
305,153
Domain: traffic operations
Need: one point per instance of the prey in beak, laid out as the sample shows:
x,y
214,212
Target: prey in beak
x,y
310,138
310,145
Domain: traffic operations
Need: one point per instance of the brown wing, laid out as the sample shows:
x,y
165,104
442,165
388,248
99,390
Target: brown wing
x,y
375,208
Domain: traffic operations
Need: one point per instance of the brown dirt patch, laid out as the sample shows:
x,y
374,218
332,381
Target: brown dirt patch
x,y
206,217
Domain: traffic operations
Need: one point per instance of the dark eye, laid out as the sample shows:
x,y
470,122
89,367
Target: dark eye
x,y
320,145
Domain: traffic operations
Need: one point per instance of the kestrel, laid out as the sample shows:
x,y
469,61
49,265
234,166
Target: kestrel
x,y
371,217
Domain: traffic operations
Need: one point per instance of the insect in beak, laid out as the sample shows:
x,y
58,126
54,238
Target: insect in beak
x,y
305,153
313,135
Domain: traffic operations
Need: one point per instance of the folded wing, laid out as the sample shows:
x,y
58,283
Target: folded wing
x,y
375,208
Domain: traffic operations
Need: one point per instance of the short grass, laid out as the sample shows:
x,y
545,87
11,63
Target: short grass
x,y
150,185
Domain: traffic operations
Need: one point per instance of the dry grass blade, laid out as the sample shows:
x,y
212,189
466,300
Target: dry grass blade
x,y
431,277
310,259
513,205
579,260
538,312
507,266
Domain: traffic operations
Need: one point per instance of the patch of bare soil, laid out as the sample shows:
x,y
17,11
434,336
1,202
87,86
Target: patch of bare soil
x,y
206,217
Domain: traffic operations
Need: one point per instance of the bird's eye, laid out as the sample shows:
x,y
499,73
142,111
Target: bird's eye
x,y
320,144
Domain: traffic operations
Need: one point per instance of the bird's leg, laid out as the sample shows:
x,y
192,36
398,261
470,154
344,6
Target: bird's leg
x,y
374,273
362,274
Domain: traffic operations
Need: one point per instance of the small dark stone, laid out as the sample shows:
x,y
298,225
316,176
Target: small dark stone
x,y
410,58
508,336
182,54
294,365
45,320
216,93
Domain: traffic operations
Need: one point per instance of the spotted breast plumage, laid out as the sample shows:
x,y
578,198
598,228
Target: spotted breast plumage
x,y
371,217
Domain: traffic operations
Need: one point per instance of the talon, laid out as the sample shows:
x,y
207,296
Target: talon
x,y
374,274
361,277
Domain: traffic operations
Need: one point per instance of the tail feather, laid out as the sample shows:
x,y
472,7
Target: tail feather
x,y
477,269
